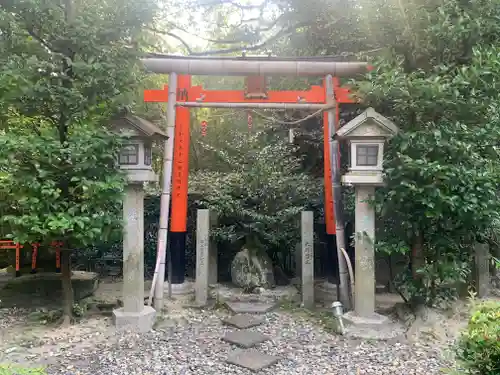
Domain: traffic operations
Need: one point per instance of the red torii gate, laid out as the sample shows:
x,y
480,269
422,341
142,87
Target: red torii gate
x,y
255,96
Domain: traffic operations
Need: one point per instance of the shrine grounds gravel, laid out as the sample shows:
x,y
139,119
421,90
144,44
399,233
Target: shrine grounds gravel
x,y
192,345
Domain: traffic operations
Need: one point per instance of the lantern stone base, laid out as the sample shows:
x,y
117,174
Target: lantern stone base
x,y
139,176
137,322
373,327
374,319
370,178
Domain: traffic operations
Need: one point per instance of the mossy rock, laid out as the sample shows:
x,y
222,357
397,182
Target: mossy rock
x,y
45,288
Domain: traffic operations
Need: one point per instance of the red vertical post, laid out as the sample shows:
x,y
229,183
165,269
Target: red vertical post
x,y
180,176
34,254
330,221
329,213
57,245
18,260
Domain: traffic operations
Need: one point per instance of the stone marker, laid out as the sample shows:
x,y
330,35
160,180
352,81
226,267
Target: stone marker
x,y
482,269
134,315
307,257
202,257
251,359
250,307
243,321
245,339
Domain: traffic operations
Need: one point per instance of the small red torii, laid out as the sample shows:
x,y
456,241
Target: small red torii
x,y
255,92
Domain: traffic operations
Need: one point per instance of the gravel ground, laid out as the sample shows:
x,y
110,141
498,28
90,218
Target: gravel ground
x,y
192,345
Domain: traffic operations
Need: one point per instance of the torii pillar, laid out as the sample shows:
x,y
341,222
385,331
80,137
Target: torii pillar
x,y
180,177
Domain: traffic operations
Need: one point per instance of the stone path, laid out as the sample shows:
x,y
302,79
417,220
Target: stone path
x,y
249,357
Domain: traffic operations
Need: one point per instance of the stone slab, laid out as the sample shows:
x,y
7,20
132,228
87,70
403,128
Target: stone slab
x,y
245,339
250,307
251,359
243,321
137,322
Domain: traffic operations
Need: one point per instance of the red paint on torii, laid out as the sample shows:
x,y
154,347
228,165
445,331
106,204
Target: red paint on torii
x,y
315,95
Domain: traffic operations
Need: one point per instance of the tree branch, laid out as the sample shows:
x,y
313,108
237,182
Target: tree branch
x,y
40,40
168,33
235,4
279,34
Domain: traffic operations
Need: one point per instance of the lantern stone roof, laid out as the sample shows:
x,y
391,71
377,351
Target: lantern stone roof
x,y
369,124
138,125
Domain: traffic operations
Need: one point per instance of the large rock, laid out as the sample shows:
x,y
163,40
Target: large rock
x,y
44,288
251,269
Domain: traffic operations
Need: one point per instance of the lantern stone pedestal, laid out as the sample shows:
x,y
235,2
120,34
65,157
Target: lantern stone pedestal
x,y
135,158
366,134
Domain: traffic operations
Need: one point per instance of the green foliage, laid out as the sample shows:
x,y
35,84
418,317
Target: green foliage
x,y
19,370
35,208
261,193
75,59
437,85
479,347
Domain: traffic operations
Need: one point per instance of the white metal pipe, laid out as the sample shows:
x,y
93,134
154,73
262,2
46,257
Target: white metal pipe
x,y
168,156
303,106
241,67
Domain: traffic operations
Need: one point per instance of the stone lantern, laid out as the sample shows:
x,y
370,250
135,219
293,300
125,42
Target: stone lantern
x,y
366,135
135,158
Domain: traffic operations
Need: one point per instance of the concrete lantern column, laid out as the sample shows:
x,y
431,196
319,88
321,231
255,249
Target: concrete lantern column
x,y
366,135
135,160
364,288
133,315
133,248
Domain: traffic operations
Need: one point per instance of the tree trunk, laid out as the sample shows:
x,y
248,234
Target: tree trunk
x,y
67,289
417,263
417,254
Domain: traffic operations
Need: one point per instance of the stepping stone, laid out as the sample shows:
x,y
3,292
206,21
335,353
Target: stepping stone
x,y
250,307
251,359
245,339
243,321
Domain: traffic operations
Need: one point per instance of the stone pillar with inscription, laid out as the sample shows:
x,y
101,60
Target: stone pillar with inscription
x,y
481,270
213,253
202,257
307,229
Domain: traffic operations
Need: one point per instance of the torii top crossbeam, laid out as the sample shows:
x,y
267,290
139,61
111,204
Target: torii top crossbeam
x,y
245,66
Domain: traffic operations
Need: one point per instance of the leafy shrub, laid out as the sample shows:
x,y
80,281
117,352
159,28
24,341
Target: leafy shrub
x,y
479,347
19,370
260,193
